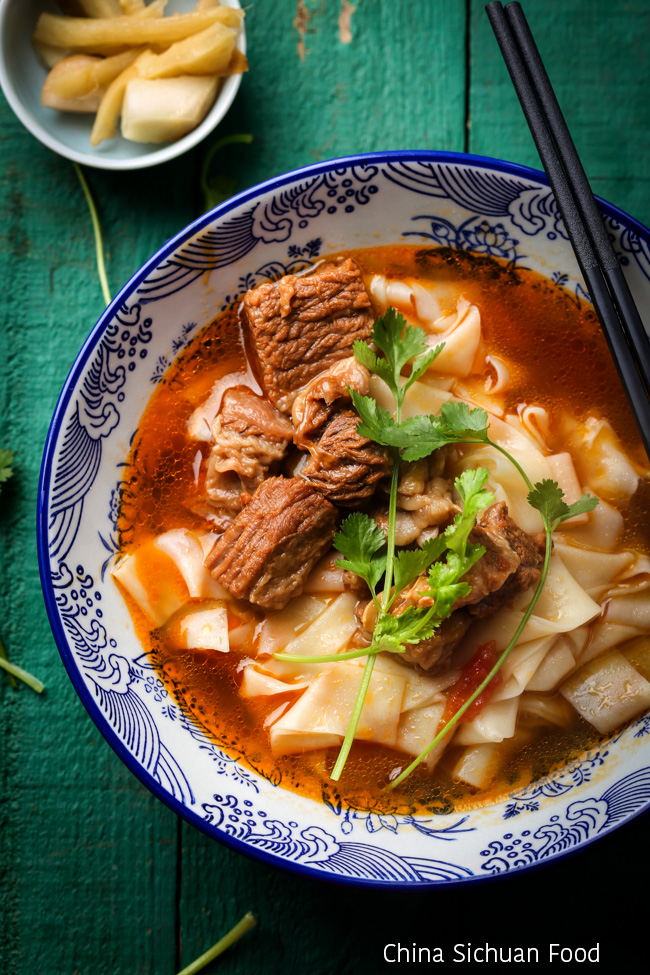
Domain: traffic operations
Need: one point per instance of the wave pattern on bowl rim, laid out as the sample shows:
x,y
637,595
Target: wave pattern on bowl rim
x,y
443,199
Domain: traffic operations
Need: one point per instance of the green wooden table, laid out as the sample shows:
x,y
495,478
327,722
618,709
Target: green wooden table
x,y
98,877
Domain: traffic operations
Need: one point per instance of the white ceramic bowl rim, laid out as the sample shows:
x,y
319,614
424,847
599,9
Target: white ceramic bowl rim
x,y
91,705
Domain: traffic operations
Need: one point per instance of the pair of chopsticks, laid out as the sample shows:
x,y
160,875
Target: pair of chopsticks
x,y
609,291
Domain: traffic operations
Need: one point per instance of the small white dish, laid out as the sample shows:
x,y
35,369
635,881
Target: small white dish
x,y
22,76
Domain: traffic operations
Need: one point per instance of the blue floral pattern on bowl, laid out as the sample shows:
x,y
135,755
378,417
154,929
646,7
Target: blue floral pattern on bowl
x,y
470,203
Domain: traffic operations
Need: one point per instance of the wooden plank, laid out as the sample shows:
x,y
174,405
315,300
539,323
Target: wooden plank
x,y
88,854
90,859
398,82
595,53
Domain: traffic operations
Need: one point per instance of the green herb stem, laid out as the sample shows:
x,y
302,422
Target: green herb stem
x,y
27,678
512,460
327,658
215,194
386,598
354,719
246,923
385,605
3,656
97,230
453,721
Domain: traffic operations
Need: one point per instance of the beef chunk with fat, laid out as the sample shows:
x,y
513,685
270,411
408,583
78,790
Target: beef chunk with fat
x,y
302,324
511,564
274,542
248,436
345,467
322,397
432,655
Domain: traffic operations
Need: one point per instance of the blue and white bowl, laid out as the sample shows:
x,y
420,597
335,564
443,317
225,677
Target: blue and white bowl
x,y
466,202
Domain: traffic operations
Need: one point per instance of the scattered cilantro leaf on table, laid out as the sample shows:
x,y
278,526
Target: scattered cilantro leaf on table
x,y
6,465
12,670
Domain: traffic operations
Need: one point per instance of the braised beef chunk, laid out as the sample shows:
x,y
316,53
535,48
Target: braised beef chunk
x,y
511,564
506,544
248,436
433,655
322,397
345,467
300,325
274,542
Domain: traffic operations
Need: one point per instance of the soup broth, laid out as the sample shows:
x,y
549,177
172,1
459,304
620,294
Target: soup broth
x,y
541,348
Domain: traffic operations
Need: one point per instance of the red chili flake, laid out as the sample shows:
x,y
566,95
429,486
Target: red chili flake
x,y
474,673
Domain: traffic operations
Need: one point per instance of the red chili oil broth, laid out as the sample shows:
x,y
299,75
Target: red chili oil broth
x,y
560,356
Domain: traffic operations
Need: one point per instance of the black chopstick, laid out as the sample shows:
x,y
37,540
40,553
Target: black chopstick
x,y
579,185
619,318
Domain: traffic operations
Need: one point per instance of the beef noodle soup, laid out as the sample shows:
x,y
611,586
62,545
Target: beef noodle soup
x,y
247,460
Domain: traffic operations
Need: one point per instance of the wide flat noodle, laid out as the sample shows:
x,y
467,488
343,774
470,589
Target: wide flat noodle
x,y
554,667
331,630
279,629
256,683
158,598
603,465
184,548
520,667
604,525
607,691
462,341
421,690
604,636
418,728
324,710
563,606
205,629
495,722
126,573
630,610
422,397
419,304
477,766
594,571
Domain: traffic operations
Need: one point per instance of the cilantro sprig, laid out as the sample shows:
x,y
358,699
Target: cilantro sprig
x,y
365,549
6,465
12,670
546,497
447,558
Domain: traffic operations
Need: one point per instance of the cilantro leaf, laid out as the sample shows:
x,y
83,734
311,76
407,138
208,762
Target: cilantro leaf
x,y
417,623
387,633
421,435
376,423
409,564
548,499
422,363
581,507
461,421
445,579
470,487
6,468
400,343
364,354
393,633
360,540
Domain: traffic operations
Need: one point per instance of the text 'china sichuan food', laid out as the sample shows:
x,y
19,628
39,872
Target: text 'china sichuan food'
x,y
383,531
